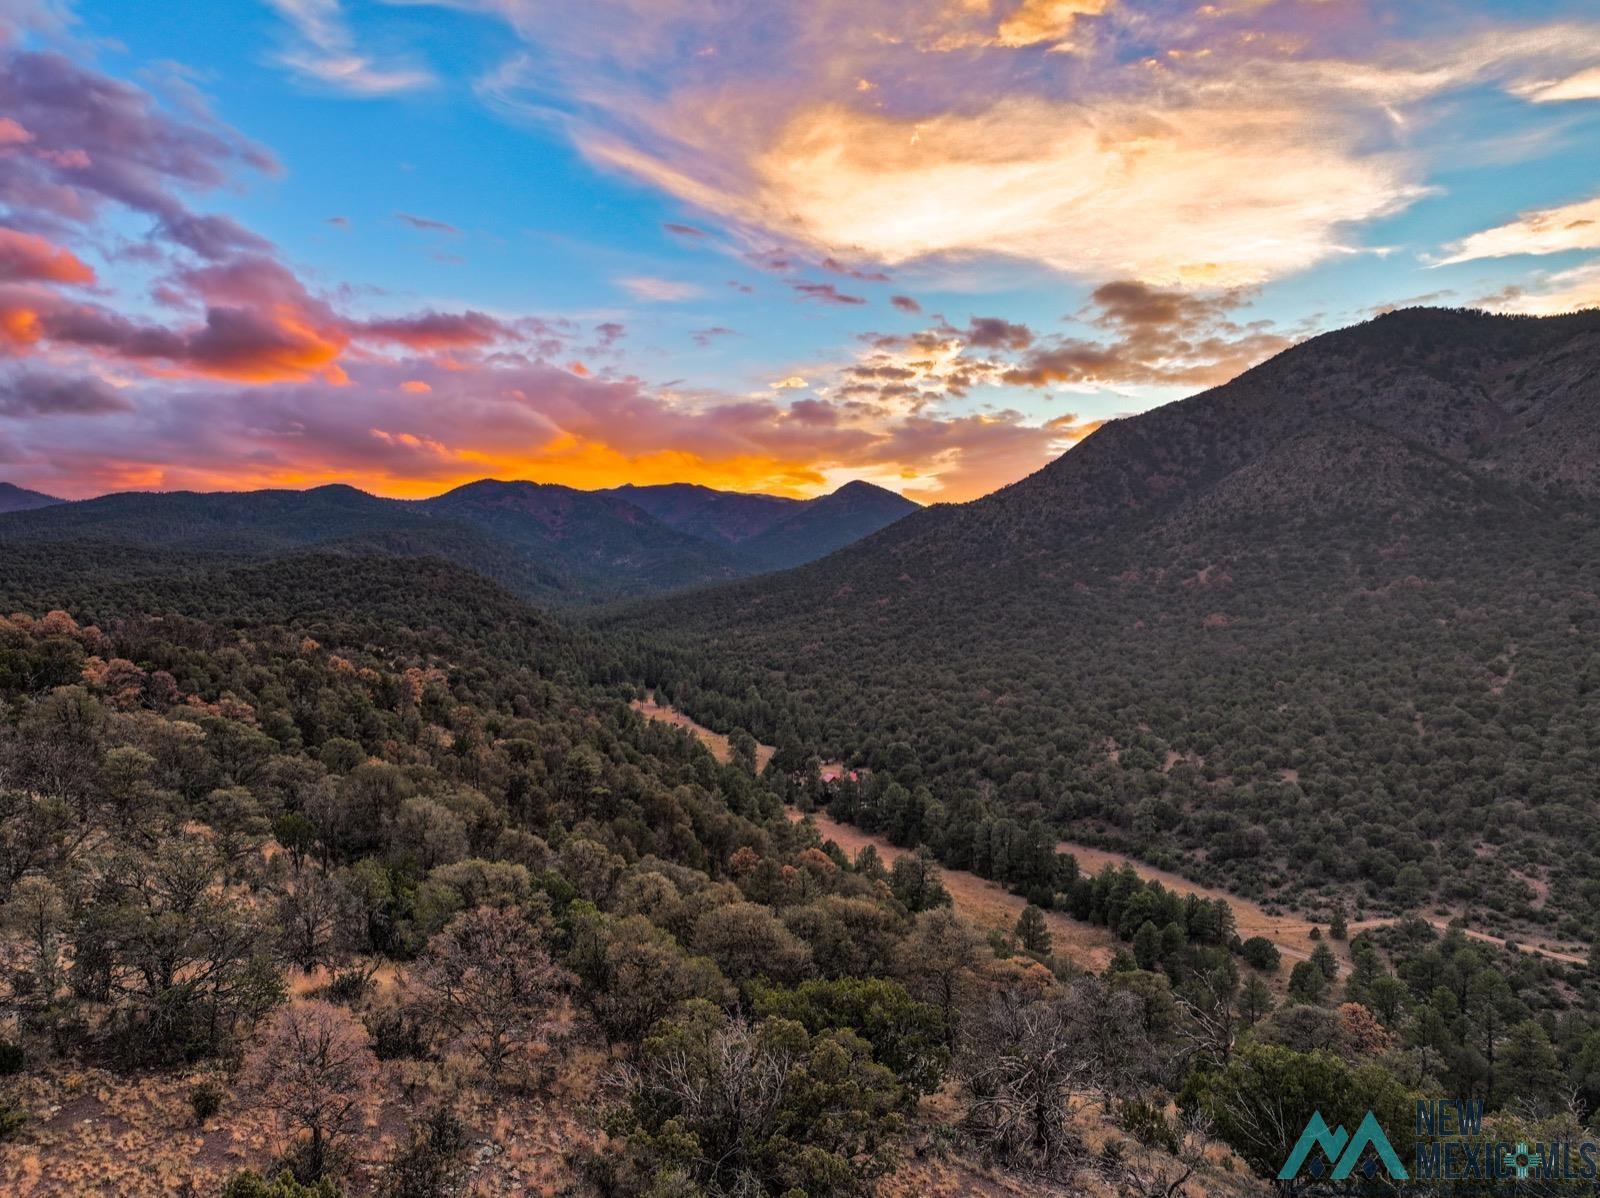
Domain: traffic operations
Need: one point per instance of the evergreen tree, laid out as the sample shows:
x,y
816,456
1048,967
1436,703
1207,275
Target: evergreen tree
x,y
1032,931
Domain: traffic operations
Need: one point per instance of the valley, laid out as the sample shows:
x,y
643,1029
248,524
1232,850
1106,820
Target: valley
x,y
992,906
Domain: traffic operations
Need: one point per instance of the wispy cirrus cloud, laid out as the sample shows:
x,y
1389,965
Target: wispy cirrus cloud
x,y
657,290
323,51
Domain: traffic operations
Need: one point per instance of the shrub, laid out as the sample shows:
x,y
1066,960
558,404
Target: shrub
x,y
282,1185
205,1100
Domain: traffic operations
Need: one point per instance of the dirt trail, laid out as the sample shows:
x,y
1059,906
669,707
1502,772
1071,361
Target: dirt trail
x,y
989,904
985,903
719,745
1290,932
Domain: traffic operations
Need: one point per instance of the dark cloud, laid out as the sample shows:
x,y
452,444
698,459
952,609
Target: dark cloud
x,y
827,293
852,272
990,332
905,303
32,394
706,336
678,230
434,330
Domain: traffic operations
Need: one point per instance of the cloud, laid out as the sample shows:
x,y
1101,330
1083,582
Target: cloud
x,y
1551,295
434,330
905,303
517,421
26,258
654,290
1036,21
827,293
1156,336
426,224
1188,146
79,140
689,231
705,337
793,383
323,52
1545,231
29,393
1582,85
853,272
990,332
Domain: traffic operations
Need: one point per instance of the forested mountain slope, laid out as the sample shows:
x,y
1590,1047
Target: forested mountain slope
x,y
361,872
1332,625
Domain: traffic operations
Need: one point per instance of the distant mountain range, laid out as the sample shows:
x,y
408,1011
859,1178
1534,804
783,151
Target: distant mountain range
x,y
549,543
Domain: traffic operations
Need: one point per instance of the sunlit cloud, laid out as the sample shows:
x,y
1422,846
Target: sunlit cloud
x,y
26,258
1582,85
1235,157
1551,295
1546,231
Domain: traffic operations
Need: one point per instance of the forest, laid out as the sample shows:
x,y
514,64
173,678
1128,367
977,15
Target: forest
x,y
354,876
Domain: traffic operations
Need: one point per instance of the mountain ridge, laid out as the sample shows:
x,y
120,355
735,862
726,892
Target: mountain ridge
x,y
545,541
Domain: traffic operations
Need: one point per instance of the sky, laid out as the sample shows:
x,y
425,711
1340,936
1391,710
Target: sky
x,y
753,244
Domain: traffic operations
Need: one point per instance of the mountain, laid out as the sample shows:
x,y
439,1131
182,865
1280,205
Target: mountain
x,y
605,543
550,543
1334,621
727,517
15,499
820,526
770,531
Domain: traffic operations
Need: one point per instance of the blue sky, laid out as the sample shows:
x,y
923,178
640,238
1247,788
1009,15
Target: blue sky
x,y
634,240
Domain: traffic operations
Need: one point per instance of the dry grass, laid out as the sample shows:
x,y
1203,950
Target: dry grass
x,y
95,1133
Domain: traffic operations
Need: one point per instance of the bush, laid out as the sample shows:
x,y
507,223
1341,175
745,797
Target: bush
x,y
250,1184
349,986
12,1058
1260,953
205,1100
432,1164
11,1117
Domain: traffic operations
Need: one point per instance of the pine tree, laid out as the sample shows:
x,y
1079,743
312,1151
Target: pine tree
x,y
1322,957
1032,931
1255,1000
1337,927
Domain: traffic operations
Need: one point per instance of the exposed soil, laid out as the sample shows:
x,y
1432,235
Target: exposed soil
x,y
985,903
720,746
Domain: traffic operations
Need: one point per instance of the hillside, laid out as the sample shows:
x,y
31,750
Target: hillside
x,y
1327,630
381,807
549,543
16,499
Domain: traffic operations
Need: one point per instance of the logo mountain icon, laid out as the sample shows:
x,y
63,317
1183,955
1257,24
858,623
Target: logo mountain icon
x,y
1342,1150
